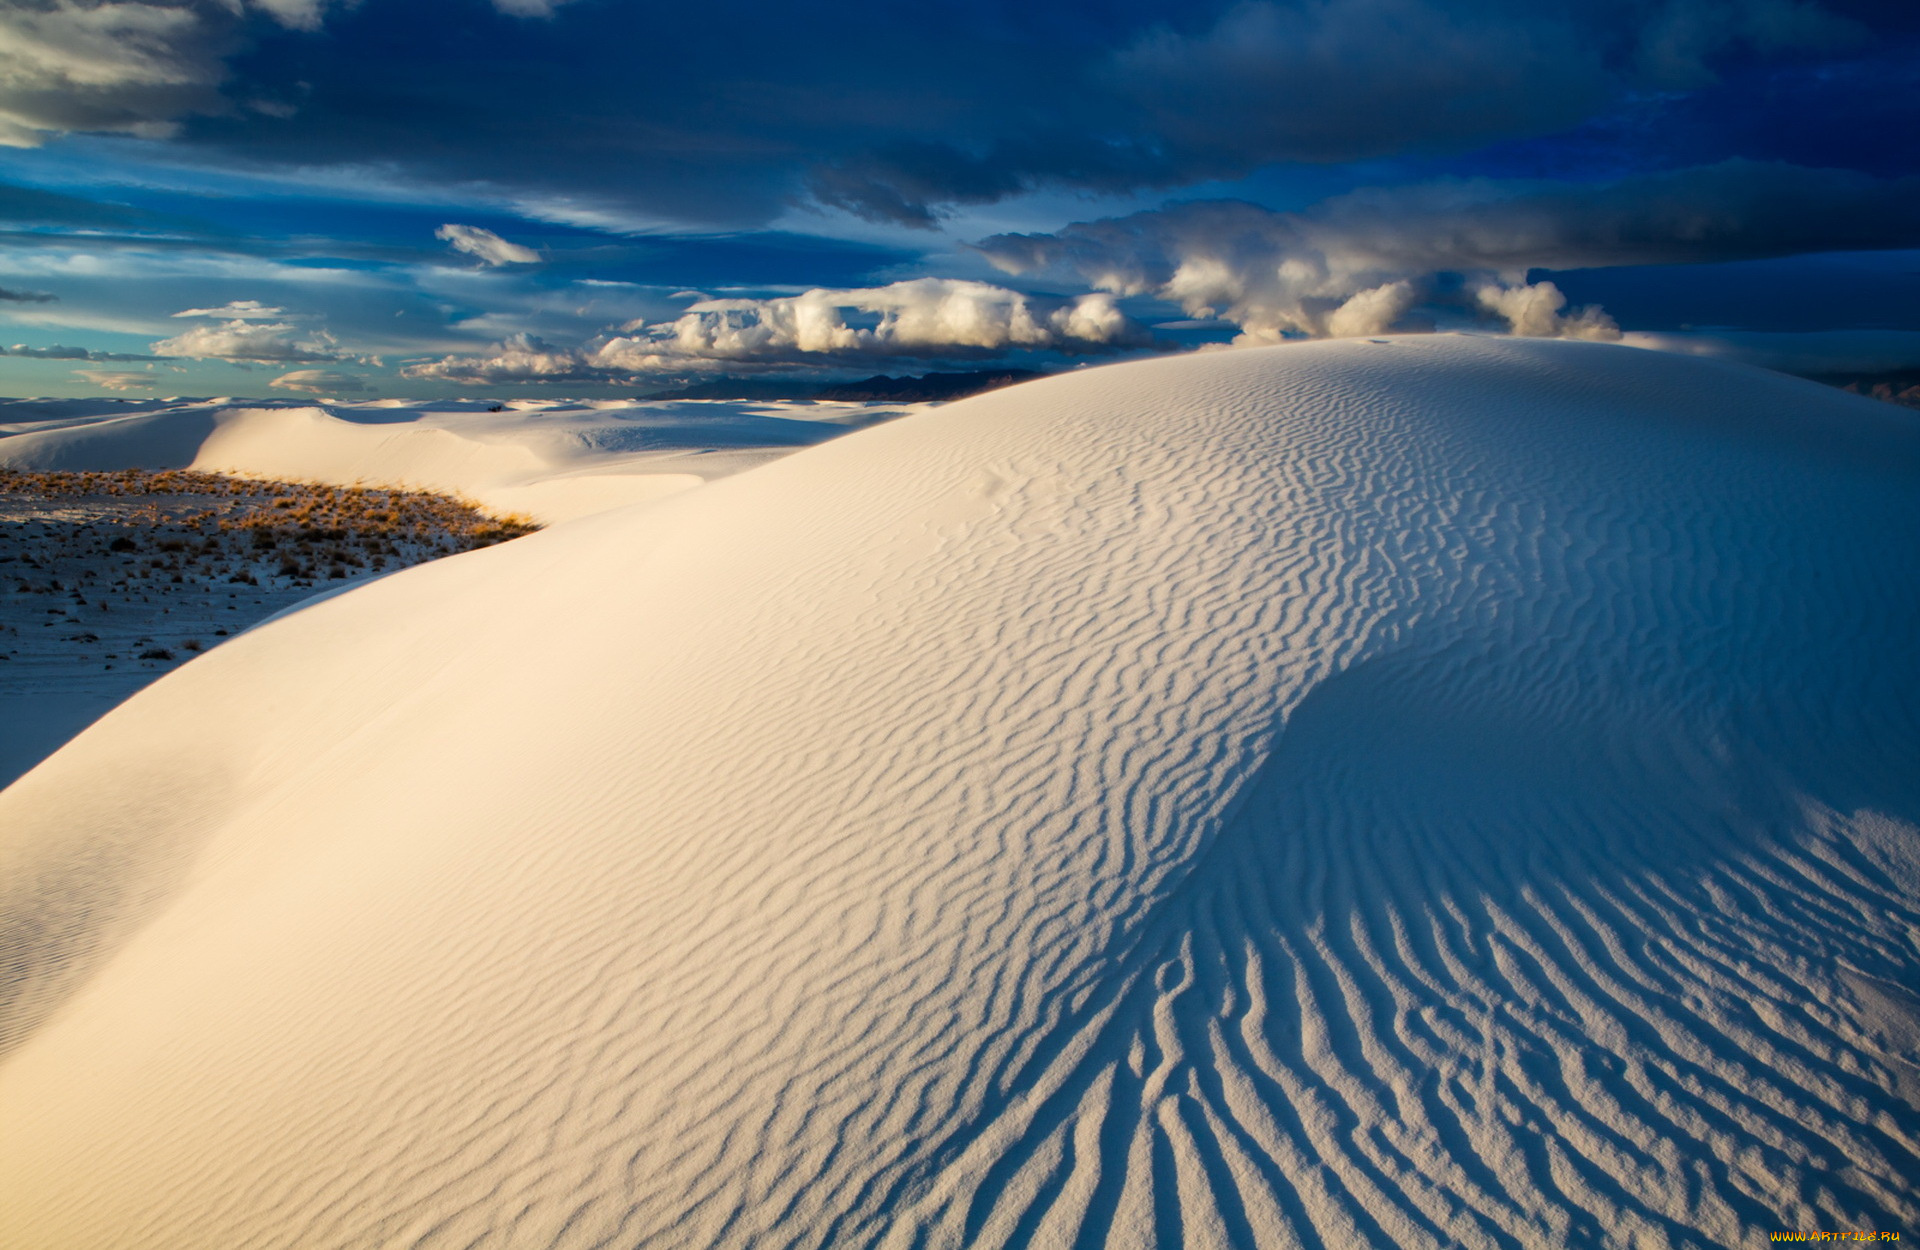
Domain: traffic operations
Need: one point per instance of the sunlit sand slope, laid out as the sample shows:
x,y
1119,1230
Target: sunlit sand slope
x,y
1446,791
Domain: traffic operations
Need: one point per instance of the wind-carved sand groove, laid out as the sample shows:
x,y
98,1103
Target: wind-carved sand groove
x,y
1424,793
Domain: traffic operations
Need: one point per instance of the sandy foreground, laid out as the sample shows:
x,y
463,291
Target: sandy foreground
x,y
1437,791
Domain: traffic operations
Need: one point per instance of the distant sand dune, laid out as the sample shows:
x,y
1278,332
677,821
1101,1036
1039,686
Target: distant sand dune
x,y
1446,791
553,460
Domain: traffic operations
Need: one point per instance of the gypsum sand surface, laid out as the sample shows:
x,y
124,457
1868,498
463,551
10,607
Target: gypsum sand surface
x,y
110,579
1437,792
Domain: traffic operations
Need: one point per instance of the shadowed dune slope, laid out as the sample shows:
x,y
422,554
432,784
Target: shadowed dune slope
x,y
1435,792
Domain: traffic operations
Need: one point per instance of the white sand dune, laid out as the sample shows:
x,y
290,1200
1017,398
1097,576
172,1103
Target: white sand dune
x,y
1443,791
554,461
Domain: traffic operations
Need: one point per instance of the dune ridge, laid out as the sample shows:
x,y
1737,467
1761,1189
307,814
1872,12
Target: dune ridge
x,y
1440,791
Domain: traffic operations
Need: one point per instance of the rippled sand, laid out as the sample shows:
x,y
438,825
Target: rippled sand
x,y
1442,791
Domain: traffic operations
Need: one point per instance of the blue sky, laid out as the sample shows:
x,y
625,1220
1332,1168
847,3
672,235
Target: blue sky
x,y
430,197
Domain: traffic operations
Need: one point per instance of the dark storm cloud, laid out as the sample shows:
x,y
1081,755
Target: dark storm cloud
x,y
722,115
1275,273
1326,82
1734,210
131,67
9,296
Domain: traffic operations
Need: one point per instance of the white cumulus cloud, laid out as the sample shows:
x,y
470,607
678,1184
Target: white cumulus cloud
x,y
269,342
1285,275
520,358
924,319
489,247
116,379
1358,263
318,382
238,310
1372,311
1534,311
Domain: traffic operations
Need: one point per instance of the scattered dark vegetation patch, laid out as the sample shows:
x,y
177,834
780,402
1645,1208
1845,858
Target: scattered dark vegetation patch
x,y
269,512
173,553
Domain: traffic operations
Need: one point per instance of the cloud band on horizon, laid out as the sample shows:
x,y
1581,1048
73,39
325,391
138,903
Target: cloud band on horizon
x,y
923,319
1360,263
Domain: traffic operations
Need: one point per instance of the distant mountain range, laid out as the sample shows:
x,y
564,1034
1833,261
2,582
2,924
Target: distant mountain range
x,y
880,388
1896,388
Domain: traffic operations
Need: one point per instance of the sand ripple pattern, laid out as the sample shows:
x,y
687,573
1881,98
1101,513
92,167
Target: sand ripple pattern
x,y
1437,792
